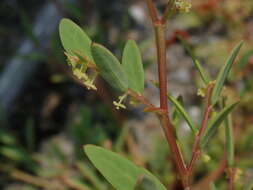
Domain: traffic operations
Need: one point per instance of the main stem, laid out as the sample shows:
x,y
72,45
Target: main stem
x,y
160,33
162,67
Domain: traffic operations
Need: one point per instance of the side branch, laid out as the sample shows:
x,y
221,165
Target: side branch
x,y
196,149
152,11
168,11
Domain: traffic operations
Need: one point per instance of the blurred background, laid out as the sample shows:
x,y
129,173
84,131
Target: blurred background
x,y
46,115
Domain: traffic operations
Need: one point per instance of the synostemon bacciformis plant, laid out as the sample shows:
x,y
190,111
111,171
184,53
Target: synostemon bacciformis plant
x,y
89,59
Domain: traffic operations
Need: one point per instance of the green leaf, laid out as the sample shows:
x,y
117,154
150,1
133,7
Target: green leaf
x,y
175,114
216,122
224,73
185,115
145,183
229,139
132,64
74,39
203,74
120,172
109,67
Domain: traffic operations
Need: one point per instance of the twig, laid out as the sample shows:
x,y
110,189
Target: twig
x,y
168,11
196,149
152,11
140,98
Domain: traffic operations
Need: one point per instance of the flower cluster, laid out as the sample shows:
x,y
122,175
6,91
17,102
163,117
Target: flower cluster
x,y
119,104
183,5
79,68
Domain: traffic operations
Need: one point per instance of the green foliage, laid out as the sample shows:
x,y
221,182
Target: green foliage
x,y
184,114
132,64
204,76
109,67
120,172
224,73
216,122
74,39
229,140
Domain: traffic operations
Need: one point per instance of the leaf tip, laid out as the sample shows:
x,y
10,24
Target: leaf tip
x,y
87,148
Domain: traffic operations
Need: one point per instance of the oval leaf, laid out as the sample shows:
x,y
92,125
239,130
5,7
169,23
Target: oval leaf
x,y
132,64
216,122
120,172
184,114
224,73
74,39
109,67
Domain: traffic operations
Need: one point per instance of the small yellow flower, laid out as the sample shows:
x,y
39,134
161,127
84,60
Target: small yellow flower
x,y
79,68
89,84
183,5
119,104
72,59
80,75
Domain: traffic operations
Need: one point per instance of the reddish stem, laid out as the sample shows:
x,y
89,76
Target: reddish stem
x,y
162,67
168,128
152,11
196,149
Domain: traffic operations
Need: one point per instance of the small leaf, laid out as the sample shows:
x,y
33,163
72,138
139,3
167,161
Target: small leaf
x,y
203,74
120,172
224,73
145,183
74,39
229,139
185,115
216,122
109,67
175,114
132,64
